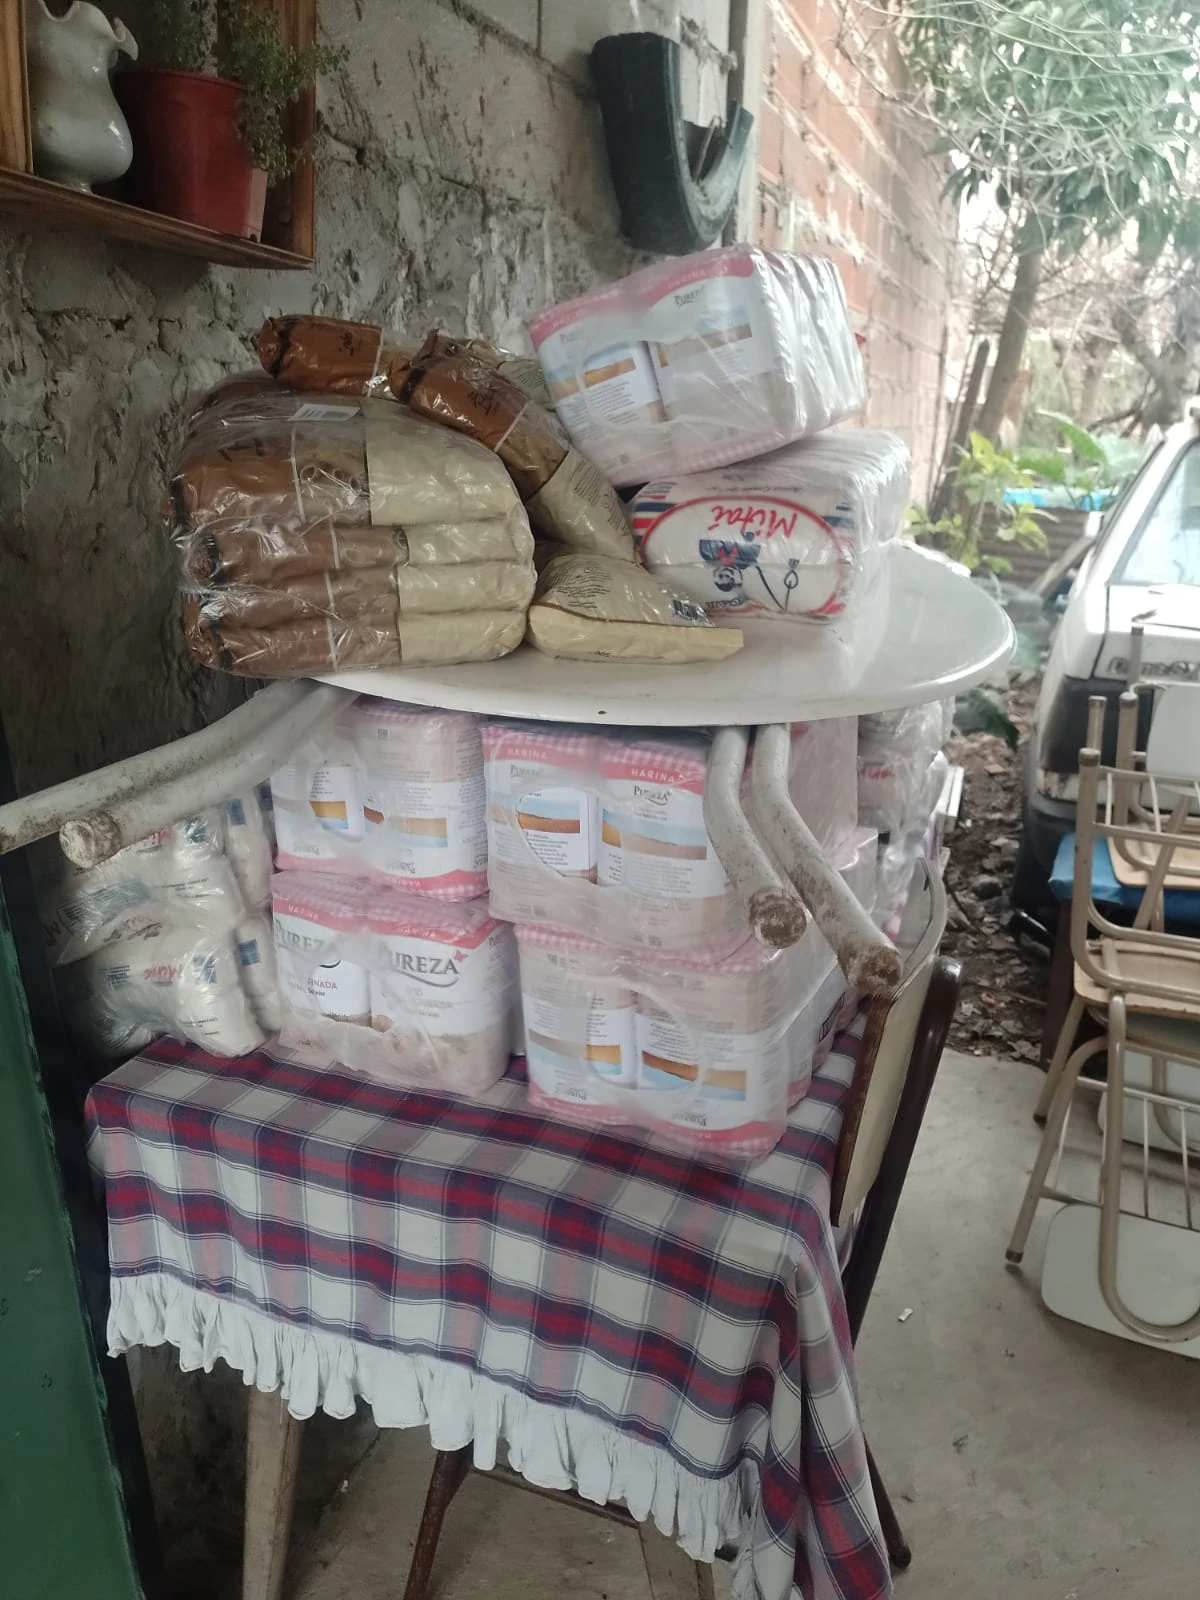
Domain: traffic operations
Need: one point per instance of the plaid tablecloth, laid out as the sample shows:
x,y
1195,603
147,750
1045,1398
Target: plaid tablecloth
x,y
633,1324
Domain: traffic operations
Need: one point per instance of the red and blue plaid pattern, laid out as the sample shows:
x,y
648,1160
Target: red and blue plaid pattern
x,y
694,1308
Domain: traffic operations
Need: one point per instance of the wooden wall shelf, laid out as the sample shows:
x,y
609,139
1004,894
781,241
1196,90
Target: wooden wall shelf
x,y
289,227
38,200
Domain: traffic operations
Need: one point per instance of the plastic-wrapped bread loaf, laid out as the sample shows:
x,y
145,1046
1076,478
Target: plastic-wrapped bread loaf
x,y
590,608
335,532
567,498
327,354
333,356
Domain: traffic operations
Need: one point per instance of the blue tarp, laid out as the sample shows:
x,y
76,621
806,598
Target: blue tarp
x,y
1059,499
1181,907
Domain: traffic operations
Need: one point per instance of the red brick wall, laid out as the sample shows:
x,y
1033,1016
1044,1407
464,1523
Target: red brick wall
x,y
841,169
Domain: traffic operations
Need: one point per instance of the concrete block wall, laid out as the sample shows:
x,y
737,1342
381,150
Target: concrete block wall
x,y
461,179
841,169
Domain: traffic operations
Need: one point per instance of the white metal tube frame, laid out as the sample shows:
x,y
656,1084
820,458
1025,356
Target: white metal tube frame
x,y
868,958
102,812
99,813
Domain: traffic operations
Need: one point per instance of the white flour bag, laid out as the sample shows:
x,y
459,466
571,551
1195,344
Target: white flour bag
x,y
423,798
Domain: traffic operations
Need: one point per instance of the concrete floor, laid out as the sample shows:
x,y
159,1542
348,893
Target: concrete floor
x,y
1027,1457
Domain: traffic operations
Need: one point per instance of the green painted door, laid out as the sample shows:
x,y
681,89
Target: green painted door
x,y
63,1528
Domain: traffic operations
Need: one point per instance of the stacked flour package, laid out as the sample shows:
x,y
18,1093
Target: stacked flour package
x,y
708,384
170,935
646,1001
389,959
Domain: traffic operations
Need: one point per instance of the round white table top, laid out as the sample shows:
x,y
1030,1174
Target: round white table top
x,y
944,635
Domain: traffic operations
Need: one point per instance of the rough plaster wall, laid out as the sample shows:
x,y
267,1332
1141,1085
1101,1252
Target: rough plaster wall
x,y
841,169
461,179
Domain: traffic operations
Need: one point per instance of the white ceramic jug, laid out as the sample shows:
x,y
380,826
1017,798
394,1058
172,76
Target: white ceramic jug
x,y
79,134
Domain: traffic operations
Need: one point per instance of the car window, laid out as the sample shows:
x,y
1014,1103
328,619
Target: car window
x,y
1111,515
1166,549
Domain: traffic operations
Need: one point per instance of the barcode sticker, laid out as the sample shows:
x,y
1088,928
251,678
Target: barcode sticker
x,y
315,411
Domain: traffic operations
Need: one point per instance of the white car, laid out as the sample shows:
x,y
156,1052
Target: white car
x,y
1143,566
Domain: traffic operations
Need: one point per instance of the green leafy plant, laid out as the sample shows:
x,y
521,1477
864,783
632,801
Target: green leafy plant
x,y
984,476
1078,115
183,34
1095,461
246,43
252,50
983,711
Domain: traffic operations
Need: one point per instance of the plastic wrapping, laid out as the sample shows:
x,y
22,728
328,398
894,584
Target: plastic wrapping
x,y
604,834
696,362
170,936
589,608
332,532
706,1052
396,986
895,752
339,357
823,779
799,536
328,354
164,979
391,792
567,498
917,838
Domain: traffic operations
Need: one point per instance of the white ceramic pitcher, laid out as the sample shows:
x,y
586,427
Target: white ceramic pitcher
x,y
80,136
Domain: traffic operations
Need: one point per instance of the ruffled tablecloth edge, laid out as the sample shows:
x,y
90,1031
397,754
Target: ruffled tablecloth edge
x,y
551,1446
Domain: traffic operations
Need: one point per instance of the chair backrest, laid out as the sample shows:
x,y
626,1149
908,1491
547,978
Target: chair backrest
x,y
1173,744
1157,844
891,1029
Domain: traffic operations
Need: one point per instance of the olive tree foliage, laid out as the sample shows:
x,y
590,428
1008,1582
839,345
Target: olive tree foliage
x,y
1080,117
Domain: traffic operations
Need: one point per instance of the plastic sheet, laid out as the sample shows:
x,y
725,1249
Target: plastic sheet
x,y
396,986
390,792
700,361
823,779
796,537
590,608
567,498
332,532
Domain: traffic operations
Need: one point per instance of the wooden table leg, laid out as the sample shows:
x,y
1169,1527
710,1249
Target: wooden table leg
x,y
272,1456
672,1573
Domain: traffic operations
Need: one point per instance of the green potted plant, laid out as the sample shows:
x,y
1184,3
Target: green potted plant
x,y
209,123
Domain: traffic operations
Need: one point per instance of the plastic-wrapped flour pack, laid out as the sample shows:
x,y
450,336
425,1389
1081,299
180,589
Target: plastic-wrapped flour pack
x,y
177,876
691,363
706,1052
604,833
798,537
164,979
407,990
391,792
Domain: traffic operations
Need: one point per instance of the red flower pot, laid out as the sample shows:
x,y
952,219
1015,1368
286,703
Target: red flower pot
x,y
188,158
